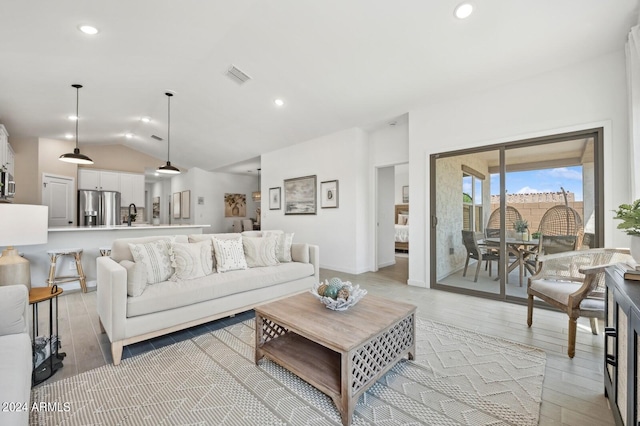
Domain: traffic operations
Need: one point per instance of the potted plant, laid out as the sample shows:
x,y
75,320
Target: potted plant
x,y
522,228
629,214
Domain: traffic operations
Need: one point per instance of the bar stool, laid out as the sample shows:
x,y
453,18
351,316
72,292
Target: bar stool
x,y
105,251
76,253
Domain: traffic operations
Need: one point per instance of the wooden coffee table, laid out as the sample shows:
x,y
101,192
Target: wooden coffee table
x,y
341,353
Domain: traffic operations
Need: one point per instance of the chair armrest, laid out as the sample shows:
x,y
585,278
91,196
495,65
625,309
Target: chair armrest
x,y
14,309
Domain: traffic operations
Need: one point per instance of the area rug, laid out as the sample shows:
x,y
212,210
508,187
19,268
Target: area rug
x,y
459,377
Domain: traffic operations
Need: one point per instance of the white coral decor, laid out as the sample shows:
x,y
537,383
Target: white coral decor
x,y
355,294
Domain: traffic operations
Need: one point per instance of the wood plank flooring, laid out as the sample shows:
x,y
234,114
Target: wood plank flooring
x,y
573,390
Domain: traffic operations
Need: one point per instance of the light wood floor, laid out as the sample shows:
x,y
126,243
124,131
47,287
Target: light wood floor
x,y
572,389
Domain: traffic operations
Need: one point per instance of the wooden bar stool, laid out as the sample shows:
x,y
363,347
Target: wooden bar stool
x,y
76,253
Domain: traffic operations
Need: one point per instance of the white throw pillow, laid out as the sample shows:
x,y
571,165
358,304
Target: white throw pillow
x,y
155,257
136,277
260,251
283,249
191,260
229,254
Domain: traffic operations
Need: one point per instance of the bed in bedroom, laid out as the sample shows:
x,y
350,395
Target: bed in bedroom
x,y
402,227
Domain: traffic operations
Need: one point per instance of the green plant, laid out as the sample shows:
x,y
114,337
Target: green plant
x,y
521,225
629,214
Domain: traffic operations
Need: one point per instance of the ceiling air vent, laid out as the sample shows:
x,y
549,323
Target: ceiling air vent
x,y
158,138
236,75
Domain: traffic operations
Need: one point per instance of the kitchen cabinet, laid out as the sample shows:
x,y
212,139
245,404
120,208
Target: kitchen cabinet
x,y
131,189
98,179
622,327
7,156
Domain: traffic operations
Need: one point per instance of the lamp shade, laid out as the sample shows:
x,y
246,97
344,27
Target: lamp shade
x,y
23,224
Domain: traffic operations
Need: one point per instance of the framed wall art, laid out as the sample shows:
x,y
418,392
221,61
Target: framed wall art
x,y
300,195
186,204
274,198
176,205
405,194
156,208
329,194
235,205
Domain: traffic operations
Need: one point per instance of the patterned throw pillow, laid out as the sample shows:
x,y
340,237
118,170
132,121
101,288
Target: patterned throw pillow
x,y
191,260
284,244
154,256
229,254
260,251
136,277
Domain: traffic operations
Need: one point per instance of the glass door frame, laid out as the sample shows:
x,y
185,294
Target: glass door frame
x,y
598,193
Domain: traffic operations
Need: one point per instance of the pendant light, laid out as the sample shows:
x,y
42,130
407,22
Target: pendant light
x,y
168,168
76,157
256,194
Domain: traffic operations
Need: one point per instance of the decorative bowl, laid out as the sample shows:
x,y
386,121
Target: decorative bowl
x,y
339,304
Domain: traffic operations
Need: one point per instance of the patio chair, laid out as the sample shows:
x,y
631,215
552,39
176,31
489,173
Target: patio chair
x,y
571,281
479,252
492,230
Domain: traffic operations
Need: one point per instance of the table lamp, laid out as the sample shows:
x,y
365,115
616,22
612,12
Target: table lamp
x,y
20,225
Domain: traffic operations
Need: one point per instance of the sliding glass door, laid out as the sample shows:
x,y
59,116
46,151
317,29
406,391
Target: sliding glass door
x,y
491,208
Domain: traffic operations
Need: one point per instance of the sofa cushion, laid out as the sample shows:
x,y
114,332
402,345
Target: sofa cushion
x,y
120,248
136,277
284,244
229,254
260,251
174,294
12,310
15,370
191,260
300,252
155,257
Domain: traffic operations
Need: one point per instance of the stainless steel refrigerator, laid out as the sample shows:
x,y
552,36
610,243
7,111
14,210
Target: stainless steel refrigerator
x,y
98,208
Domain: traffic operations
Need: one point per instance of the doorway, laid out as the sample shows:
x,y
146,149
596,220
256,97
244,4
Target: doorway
x,y
58,192
493,200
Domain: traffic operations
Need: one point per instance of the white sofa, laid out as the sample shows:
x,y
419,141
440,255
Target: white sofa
x,y
170,306
15,356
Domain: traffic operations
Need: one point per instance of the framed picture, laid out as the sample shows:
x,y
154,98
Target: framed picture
x,y
156,207
274,198
186,204
235,205
300,195
405,194
176,205
329,194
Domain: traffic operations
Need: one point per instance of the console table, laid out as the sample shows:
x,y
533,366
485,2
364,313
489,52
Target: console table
x,y
622,328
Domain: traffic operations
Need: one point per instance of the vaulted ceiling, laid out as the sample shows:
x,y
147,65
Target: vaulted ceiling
x,y
336,64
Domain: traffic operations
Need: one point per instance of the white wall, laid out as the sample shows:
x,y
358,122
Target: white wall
x,y
211,186
342,233
386,217
401,180
586,95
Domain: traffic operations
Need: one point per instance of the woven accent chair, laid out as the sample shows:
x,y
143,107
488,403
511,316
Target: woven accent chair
x,y
560,220
572,282
492,230
477,251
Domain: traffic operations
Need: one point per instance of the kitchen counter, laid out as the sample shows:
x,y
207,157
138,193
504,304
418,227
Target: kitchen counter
x,y
90,239
136,226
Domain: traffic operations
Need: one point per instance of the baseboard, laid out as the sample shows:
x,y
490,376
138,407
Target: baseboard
x,y
417,283
385,264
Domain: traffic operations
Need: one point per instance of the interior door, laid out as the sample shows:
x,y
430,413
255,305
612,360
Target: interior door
x,y
58,193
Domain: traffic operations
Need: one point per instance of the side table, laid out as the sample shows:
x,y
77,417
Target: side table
x,y
54,362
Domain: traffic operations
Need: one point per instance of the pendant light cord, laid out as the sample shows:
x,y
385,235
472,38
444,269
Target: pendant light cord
x,y
169,95
77,112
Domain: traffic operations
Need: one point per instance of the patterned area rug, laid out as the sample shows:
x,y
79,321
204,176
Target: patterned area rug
x,y
459,378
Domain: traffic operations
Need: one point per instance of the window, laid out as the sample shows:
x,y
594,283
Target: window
x,y
472,217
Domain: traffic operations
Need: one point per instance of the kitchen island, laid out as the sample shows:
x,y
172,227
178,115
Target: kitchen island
x,y
90,239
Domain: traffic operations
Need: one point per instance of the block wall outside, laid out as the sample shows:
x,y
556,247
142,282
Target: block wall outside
x,y
533,211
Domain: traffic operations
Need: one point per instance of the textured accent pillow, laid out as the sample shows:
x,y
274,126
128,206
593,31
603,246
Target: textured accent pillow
x,y
136,277
155,257
260,251
283,250
229,254
191,260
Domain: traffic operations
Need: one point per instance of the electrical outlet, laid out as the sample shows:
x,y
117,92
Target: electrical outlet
x,y
450,250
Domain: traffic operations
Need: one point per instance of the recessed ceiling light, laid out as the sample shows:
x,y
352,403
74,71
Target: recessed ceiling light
x,y
88,29
463,10
145,119
73,117
156,174
68,136
279,102
128,135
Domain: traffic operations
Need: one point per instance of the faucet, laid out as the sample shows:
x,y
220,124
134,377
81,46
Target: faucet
x,y
131,215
